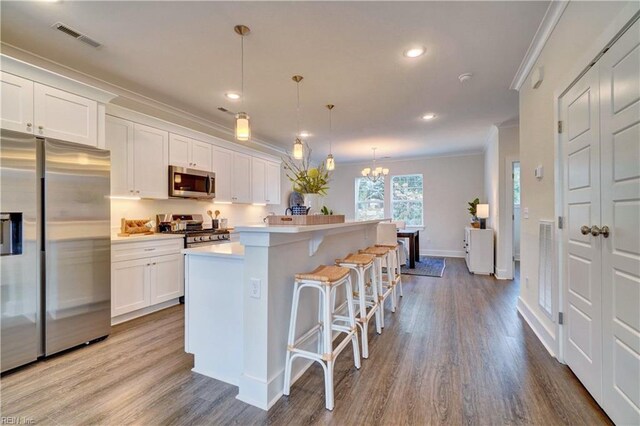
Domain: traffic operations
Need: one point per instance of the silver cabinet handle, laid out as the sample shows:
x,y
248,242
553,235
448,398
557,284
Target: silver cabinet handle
x,y
604,231
149,249
153,263
137,192
29,124
40,127
595,231
585,230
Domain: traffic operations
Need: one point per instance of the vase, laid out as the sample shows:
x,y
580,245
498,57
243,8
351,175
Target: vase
x,y
314,202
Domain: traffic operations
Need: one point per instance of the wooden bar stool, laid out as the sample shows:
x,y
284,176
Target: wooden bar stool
x,y
367,302
385,285
325,279
393,265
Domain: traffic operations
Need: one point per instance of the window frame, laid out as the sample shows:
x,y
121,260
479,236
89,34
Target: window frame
x,y
392,200
356,187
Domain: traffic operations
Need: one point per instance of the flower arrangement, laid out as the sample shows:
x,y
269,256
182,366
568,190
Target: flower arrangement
x,y
304,178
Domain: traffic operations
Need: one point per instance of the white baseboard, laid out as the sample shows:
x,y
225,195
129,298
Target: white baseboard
x,y
547,339
501,274
442,253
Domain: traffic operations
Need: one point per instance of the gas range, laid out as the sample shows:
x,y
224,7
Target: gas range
x,y
195,234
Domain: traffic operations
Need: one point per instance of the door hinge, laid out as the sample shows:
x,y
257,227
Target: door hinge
x,y
559,126
560,222
560,318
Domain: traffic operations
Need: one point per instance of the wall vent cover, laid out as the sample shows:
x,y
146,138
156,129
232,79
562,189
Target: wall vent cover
x,y
76,34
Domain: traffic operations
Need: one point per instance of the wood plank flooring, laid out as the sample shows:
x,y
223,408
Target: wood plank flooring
x,y
455,352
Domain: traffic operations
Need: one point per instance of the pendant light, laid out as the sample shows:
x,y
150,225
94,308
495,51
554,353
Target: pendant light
x,y
298,151
243,128
331,162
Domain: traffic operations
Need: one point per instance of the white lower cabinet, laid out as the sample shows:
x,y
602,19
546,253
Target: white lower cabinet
x,y
152,274
478,247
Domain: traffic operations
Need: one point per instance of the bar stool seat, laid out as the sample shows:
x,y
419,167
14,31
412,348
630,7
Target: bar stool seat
x,y
326,280
378,251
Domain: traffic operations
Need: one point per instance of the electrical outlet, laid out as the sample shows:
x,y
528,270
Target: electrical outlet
x,y
254,289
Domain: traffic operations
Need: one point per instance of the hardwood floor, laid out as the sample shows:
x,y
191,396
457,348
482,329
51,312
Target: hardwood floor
x,y
455,352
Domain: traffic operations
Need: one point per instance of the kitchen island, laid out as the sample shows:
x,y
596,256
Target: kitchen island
x,y
238,301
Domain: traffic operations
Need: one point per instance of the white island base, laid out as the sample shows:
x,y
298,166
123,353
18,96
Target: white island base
x,y
238,301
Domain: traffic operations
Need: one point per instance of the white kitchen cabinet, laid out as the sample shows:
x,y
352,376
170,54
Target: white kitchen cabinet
x,y
189,153
222,163
130,286
65,116
478,245
16,97
258,180
241,178
150,162
274,184
119,140
167,275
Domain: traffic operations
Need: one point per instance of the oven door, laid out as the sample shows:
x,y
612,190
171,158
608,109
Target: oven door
x,y
191,183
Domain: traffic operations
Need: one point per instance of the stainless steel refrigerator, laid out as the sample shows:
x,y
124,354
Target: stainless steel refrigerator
x,y
55,290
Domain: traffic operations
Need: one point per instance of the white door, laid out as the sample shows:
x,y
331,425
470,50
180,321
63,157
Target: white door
x,y
580,113
273,183
151,162
620,167
119,140
130,286
167,278
241,181
201,156
258,180
222,162
65,116
16,97
179,151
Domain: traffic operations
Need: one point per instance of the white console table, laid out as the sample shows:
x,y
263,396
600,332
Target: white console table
x,y
478,247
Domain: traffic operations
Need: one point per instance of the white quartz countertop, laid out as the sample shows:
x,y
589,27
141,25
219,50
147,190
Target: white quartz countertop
x,y
293,229
230,250
115,239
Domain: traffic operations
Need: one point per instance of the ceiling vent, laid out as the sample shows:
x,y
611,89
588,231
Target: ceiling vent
x,y
76,34
223,109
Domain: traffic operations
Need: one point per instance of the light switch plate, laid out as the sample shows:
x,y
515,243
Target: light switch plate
x,y
525,212
254,289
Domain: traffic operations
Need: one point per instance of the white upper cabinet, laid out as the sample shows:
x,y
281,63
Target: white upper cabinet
x,y
258,180
273,183
63,115
151,162
189,153
222,161
241,178
119,140
16,96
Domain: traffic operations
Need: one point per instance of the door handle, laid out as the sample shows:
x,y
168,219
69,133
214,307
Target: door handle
x,y
595,231
604,231
585,230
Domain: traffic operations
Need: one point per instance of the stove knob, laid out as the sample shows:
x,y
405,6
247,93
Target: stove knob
x,y
199,238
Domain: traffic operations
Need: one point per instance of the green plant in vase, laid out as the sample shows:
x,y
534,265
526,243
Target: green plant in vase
x,y
473,210
310,181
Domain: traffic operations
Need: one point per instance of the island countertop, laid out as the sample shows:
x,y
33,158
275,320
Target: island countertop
x,y
294,229
233,250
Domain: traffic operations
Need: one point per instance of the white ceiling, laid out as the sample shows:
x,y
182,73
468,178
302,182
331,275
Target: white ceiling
x,y
350,54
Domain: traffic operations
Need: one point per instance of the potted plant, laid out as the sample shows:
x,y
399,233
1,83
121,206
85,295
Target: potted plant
x,y
472,211
310,181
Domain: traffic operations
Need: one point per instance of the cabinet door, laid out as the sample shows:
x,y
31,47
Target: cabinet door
x,y
16,96
167,278
130,286
258,180
241,181
179,148
150,162
222,162
201,156
65,116
119,140
273,183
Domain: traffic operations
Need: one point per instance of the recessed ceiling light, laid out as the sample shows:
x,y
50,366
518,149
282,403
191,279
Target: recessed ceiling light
x,y
414,52
232,95
429,116
304,134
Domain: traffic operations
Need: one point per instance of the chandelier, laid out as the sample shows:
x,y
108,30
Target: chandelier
x,y
374,173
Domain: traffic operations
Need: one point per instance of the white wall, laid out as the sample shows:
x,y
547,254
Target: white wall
x,y
449,183
580,27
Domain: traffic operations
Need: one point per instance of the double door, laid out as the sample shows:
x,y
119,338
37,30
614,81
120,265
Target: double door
x,y
601,144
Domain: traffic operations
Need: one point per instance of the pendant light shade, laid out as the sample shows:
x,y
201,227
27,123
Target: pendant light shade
x,y
243,127
331,162
298,151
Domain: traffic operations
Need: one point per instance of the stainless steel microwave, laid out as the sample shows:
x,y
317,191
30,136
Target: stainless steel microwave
x,y
191,183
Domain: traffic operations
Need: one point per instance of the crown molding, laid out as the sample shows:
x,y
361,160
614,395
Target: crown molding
x,y
546,27
125,97
465,153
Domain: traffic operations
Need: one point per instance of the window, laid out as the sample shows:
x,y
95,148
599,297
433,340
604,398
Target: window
x,y
406,199
369,199
516,183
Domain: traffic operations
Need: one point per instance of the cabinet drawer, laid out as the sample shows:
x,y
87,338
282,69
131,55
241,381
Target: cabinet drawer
x,y
144,249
